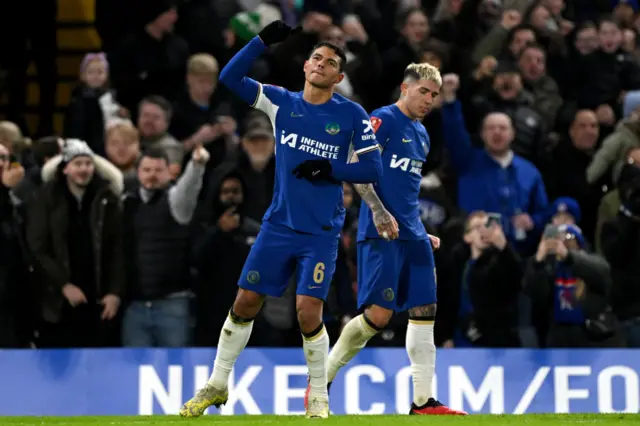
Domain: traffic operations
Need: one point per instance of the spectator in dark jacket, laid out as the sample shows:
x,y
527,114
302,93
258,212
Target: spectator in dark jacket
x,y
508,96
157,218
74,229
92,104
219,252
620,242
256,164
573,286
150,61
479,301
43,150
605,75
565,175
16,300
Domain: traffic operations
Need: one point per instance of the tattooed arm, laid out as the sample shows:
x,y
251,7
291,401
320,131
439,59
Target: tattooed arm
x,y
383,220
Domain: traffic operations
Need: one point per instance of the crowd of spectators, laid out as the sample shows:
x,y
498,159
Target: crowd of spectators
x,y
131,227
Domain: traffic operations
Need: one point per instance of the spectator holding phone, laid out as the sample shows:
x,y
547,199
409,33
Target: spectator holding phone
x,y
201,117
573,287
484,272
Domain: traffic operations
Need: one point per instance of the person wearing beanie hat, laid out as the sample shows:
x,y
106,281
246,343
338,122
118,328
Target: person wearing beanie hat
x,y
565,210
75,148
77,164
162,12
71,148
246,25
74,231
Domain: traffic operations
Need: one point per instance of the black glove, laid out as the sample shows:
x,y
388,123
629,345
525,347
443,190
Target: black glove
x,y
276,32
314,171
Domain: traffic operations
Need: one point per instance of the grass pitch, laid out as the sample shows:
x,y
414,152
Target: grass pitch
x,y
401,420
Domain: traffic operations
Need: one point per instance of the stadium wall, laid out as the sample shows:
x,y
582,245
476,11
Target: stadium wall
x,y
272,381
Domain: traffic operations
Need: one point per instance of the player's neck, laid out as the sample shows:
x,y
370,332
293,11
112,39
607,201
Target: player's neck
x,y
198,99
403,109
316,96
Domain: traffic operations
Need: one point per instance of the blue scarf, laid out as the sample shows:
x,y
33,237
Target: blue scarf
x,y
566,307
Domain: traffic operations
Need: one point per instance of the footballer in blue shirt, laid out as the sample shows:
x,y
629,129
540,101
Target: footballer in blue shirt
x,y
315,131
396,269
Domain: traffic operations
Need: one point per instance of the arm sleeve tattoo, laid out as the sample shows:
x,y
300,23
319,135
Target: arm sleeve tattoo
x,y
367,192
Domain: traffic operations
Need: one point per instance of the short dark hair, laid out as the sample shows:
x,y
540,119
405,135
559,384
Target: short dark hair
x,y
338,51
403,17
154,153
518,28
45,148
437,49
160,102
528,46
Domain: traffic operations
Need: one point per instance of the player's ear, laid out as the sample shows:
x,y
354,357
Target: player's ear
x,y
403,89
339,78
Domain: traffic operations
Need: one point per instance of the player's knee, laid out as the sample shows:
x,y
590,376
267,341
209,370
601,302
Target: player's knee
x,y
247,303
309,312
426,312
378,315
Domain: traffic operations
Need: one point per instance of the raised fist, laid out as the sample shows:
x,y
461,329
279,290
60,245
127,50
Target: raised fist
x,y
450,86
510,19
486,67
200,155
276,32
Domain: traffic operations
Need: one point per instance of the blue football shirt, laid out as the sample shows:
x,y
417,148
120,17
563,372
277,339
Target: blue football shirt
x,y
405,144
305,131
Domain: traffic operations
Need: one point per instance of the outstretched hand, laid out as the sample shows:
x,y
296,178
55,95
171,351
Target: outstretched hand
x,y
276,32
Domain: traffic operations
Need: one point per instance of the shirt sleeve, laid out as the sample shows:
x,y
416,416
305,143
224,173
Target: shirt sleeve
x,y
234,74
270,98
381,123
368,169
364,137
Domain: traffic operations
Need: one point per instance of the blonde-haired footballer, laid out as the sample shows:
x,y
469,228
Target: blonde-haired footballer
x,y
396,269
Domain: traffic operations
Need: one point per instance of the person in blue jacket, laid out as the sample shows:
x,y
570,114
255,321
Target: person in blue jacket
x,y
494,179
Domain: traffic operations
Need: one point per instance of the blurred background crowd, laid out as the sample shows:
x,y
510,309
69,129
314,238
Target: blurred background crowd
x,y
114,233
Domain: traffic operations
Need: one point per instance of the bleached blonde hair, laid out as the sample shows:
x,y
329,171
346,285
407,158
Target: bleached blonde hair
x,y
202,63
11,133
125,129
423,71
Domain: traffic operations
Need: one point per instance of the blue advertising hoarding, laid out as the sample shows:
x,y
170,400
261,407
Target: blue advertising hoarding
x,y
272,381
